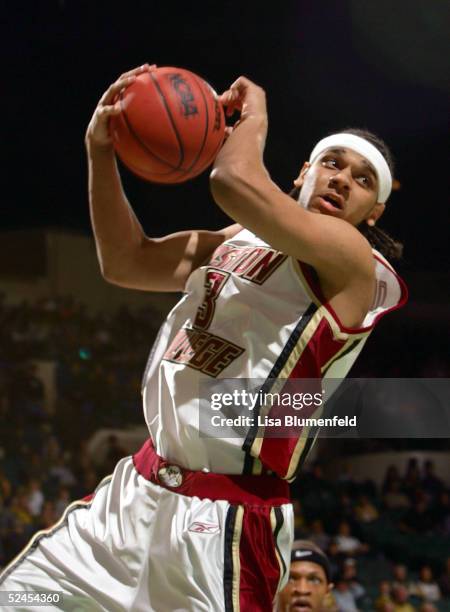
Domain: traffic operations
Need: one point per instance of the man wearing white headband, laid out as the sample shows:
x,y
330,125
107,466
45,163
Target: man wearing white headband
x,y
200,517
346,183
378,160
375,162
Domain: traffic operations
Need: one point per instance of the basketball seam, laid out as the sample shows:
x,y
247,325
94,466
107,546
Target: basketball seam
x,y
143,144
145,174
214,153
205,135
166,106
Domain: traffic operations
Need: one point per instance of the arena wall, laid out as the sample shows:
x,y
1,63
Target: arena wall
x,y
64,263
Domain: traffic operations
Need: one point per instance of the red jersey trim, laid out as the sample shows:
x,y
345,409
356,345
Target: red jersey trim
x,y
234,488
315,287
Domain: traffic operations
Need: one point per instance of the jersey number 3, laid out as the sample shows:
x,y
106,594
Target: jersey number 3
x,y
214,283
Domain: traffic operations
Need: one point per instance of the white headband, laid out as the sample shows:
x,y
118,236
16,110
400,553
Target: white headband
x,y
364,148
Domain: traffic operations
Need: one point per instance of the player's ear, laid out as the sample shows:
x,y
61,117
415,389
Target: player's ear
x,y
375,213
299,180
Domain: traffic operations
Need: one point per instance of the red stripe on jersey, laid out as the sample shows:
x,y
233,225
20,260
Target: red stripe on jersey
x,y
322,347
313,282
260,570
276,453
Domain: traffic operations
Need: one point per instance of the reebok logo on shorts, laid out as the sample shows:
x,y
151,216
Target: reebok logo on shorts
x,y
198,527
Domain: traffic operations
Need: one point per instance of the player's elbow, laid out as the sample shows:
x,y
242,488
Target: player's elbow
x,y
109,273
221,186
227,184
224,177
115,266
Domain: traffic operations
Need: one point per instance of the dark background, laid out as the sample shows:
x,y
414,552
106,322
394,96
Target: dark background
x,y
325,66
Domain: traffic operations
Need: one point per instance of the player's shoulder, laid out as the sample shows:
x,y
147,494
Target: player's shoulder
x,y
230,231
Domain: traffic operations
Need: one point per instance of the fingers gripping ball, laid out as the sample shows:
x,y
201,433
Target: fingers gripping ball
x,y
171,126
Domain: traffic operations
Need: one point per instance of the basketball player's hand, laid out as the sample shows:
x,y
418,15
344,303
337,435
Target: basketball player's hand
x,y
97,133
246,97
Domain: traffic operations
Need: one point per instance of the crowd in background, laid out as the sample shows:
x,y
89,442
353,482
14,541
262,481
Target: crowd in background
x,y
388,545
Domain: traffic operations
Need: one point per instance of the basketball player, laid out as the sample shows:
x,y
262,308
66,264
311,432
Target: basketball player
x,y
309,583
292,290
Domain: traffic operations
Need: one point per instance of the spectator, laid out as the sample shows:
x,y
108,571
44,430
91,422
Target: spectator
x,y
347,543
20,510
48,516
35,497
18,534
400,577
318,536
349,573
394,498
400,598
384,596
427,606
62,501
343,596
309,585
365,511
426,587
61,472
387,606
335,558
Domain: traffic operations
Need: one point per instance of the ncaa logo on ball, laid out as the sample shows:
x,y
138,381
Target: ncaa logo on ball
x,y
185,95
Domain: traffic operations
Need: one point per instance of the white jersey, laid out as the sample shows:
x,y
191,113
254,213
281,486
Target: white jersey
x,y
255,313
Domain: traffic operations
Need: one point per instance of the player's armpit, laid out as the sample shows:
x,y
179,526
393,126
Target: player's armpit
x,y
164,264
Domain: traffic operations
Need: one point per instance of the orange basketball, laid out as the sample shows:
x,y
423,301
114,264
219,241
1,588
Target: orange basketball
x,y
171,126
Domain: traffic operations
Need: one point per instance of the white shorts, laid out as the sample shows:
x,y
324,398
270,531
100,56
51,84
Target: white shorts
x,y
139,546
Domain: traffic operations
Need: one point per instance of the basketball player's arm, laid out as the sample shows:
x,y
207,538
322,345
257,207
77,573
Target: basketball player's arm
x,y
242,187
126,255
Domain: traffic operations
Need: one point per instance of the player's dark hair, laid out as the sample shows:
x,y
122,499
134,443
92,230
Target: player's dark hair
x,y
378,238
